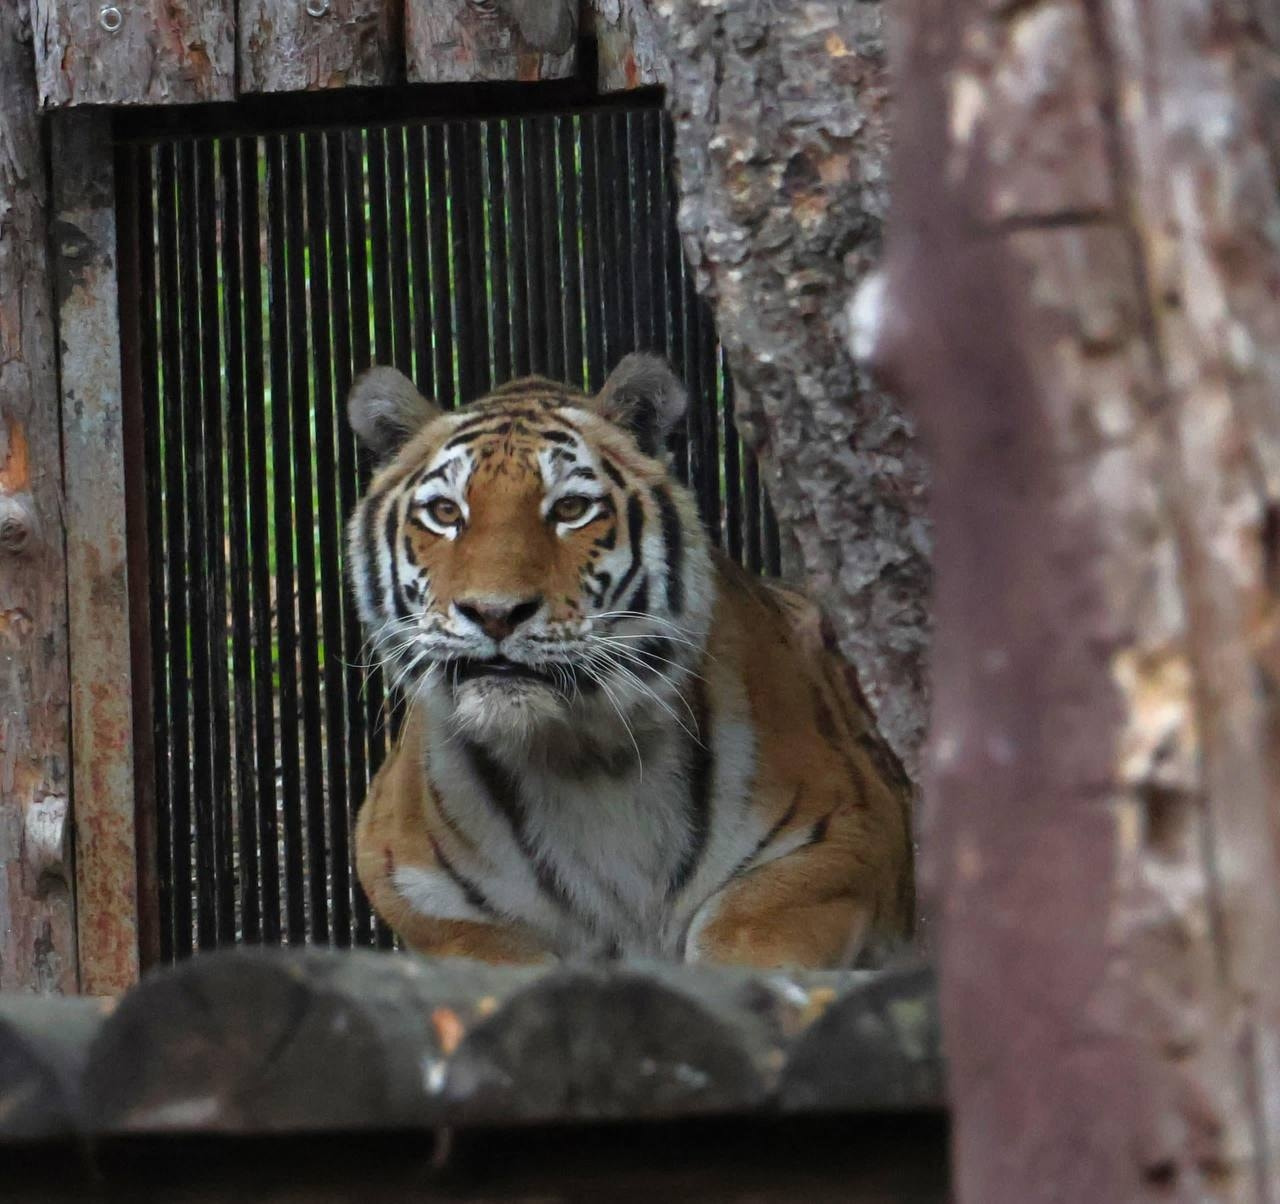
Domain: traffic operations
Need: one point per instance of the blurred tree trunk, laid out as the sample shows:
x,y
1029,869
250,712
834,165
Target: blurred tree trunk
x,y
781,144
1080,303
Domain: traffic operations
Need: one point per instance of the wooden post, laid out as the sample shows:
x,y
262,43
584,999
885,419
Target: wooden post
x,y
297,45
37,924
134,51
1079,298
464,41
629,50
84,244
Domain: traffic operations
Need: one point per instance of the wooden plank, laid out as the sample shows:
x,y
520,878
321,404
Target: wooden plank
x,y
1079,300
134,51
629,50
84,239
459,41
309,44
37,924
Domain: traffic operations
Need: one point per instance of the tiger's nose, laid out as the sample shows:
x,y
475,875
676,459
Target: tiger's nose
x,y
498,618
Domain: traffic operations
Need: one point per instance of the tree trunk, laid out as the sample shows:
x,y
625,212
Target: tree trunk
x,y
1080,302
37,927
781,145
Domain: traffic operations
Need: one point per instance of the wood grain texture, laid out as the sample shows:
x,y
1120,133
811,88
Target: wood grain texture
x,y
296,46
134,51
782,140
459,41
629,52
84,241
1079,301
37,924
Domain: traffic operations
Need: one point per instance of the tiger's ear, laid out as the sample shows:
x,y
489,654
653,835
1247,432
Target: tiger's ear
x,y
384,409
644,397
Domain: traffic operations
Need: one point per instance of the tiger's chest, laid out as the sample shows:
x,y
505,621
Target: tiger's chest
x,y
612,865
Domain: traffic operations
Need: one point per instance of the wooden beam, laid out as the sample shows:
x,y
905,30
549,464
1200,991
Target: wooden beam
x,y
37,921
1079,299
84,243
309,44
134,51
629,50
460,41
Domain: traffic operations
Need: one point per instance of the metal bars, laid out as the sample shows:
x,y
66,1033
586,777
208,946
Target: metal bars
x,y
273,268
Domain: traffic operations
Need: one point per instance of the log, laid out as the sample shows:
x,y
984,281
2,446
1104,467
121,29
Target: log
x,y
84,247
44,1045
781,142
472,41
256,1041
37,925
629,52
134,51
1079,302
317,44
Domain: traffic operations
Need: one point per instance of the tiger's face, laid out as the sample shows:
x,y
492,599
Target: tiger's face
x,y
527,565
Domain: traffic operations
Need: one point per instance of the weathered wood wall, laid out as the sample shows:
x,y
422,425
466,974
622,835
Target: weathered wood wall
x,y
1080,299
37,927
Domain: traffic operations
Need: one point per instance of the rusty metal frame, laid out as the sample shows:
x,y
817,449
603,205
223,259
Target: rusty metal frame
x,y
85,260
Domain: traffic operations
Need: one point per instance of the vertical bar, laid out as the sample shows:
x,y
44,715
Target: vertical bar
x,y
674,294
708,400
398,250
361,357
535,266
752,533
656,239
619,180
593,317
441,298
223,916
334,803
144,475
478,286
772,541
521,354
471,348
174,831
495,208
290,764
642,230
238,539
340,829
198,550
300,402
549,211
255,263
424,373
570,257
376,157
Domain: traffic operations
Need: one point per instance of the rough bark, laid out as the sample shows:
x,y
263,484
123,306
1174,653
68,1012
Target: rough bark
x,y
461,41
134,51
84,247
37,927
629,53
1079,300
781,145
314,44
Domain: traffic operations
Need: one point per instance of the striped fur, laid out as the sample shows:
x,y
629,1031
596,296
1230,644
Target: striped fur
x,y
617,743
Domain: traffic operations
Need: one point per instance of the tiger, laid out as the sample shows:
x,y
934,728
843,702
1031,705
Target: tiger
x,y
615,742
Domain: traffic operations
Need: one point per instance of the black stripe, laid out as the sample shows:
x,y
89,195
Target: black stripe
x,y
470,891
818,833
614,475
673,535
501,428
609,540
653,652
701,777
390,529
771,835
585,474
640,599
504,792
434,473
372,574
635,528
557,436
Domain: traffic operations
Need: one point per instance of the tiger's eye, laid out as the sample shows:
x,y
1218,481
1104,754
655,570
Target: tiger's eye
x,y
570,509
444,511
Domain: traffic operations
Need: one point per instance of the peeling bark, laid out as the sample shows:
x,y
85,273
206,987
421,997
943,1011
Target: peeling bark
x,y
462,41
37,929
781,145
1079,301
629,52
